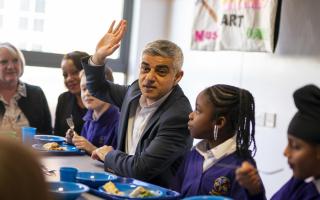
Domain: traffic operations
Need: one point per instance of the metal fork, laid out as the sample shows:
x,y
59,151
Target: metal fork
x,y
48,172
260,171
70,124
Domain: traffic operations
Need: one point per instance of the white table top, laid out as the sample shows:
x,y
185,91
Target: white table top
x,y
82,162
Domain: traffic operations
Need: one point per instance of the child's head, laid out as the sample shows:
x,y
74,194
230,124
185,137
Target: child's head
x,y
303,149
223,111
89,101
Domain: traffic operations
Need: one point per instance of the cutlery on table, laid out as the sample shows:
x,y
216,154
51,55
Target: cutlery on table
x,y
48,172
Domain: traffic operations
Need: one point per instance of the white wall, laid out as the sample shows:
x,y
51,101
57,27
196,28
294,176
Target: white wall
x,y
271,78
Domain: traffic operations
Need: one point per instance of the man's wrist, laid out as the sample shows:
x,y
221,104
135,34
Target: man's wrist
x,y
96,62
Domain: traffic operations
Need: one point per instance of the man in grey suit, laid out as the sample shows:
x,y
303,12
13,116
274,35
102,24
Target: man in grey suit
x,y
153,135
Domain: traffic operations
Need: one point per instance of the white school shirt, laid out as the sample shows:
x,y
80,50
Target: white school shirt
x,y
316,182
212,156
138,121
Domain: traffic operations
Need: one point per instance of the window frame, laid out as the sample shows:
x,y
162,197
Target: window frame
x,y
46,59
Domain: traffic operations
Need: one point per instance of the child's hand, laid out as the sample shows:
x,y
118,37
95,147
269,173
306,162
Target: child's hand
x,y
69,135
82,143
248,177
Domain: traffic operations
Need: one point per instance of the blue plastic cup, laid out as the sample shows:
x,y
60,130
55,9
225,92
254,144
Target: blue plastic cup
x,y
28,134
68,174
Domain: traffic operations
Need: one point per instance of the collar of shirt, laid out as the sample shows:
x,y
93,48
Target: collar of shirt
x,y
211,156
317,184
143,101
21,92
138,123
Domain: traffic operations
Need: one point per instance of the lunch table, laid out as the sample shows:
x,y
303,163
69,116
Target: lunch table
x,y
82,162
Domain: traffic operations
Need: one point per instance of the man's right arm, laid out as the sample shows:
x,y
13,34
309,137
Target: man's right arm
x,y
100,88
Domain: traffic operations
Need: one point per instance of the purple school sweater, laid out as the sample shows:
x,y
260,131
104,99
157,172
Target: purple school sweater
x,y
191,181
296,189
104,130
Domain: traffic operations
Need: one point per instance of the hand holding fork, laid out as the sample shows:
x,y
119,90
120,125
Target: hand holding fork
x,y
70,132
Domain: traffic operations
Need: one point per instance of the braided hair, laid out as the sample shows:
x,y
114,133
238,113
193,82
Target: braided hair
x,y
237,106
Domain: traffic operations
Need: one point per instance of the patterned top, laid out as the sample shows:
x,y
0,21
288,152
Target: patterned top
x,y
13,118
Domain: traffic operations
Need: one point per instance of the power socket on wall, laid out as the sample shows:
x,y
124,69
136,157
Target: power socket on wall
x,y
270,120
266,119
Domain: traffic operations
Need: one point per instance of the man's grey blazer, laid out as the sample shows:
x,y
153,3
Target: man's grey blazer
x,y
164,141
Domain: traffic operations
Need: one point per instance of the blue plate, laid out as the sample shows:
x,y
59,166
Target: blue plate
x,y
127,185
209,197
67,190
94,179
49,138
69,150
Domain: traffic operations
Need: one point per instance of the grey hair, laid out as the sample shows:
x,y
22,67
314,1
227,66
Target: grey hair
x,y
166,49
15,51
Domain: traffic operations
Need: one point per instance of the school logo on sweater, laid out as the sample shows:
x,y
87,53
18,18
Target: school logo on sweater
x,y
221,186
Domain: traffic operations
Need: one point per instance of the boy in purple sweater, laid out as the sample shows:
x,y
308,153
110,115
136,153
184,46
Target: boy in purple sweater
x,y
101,122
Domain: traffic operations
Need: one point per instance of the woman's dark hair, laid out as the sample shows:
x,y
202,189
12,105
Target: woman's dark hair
x,y
76,56
237,106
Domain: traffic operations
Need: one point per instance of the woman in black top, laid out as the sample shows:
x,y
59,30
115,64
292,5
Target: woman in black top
x,y
70,103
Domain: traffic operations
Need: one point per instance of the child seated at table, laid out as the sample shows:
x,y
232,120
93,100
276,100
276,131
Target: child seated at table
x,y
224,119
101,122
302,151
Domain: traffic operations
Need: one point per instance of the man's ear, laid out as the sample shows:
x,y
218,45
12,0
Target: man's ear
x,y
178,77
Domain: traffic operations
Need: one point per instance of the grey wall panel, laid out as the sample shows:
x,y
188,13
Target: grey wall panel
x,y
299,28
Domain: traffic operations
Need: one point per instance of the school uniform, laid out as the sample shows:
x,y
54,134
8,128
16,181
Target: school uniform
x,y
102,131
296,189
200,173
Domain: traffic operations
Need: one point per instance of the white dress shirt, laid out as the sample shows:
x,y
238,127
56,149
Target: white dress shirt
x,y
138,121
317,184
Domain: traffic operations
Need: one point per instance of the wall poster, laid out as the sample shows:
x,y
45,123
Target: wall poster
x,y
241,25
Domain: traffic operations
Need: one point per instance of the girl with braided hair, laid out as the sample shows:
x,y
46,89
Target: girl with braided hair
x,y
224,120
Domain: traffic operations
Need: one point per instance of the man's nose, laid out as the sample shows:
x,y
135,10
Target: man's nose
x,y
151,76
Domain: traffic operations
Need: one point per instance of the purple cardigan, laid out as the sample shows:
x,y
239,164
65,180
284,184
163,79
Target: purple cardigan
x,y
192,181
296,189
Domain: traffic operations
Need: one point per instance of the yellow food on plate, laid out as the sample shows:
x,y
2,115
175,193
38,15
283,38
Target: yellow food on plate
x,y
112,189
53,146
141,192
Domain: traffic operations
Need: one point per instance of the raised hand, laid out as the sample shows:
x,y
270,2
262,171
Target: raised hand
x,y
109,42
